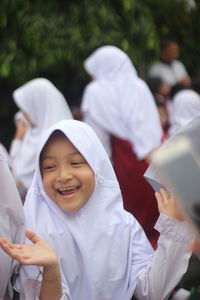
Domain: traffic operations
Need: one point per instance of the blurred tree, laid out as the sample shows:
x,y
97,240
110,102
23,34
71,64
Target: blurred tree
x,y
38,38
52,38
179,20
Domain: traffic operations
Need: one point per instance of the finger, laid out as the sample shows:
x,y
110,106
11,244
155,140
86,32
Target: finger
x,y
11,245
32,236
159,197
165,195
5,242
164,192
8,250
17,254
170,197
2,241
160,202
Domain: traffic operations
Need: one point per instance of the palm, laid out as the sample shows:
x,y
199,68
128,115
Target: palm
x,y
39,253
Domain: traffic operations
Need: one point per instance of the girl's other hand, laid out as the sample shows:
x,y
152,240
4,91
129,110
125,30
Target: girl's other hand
x,y
39,253
21,128
167,205
195,247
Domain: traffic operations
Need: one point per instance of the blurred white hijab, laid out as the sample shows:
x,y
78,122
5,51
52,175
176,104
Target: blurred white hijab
x,y
45,106
43,102
101,248
185,107
117,102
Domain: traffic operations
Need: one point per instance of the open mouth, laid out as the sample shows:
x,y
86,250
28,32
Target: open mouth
x,y
68,191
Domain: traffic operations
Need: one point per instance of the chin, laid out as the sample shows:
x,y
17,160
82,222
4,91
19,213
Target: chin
x,y
70,209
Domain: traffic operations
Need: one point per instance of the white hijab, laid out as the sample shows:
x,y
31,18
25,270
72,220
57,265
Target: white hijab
x,y
11,224
119,101
45,105
101,247
184,108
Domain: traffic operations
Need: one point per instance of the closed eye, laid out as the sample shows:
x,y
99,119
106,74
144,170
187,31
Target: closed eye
x,y
48,168
77,163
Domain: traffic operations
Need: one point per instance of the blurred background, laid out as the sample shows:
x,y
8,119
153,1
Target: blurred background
x,y
51,39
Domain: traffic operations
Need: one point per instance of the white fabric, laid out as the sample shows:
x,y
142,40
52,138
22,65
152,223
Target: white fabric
x,y
170,74
117,102
101,247
45,105
11,224
184,108
19,116
190,131
103,251
170,261
5,152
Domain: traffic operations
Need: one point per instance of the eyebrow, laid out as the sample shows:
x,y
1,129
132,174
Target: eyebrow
x,y
51,157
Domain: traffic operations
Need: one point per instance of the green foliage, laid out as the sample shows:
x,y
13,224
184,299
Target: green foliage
x,y
38,38
175,20
53,38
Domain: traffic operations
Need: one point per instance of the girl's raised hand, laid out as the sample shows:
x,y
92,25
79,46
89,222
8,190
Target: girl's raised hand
x,y
39,253
21,128
167,205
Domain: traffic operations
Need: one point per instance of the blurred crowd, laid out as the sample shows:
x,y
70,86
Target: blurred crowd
x,y
131,118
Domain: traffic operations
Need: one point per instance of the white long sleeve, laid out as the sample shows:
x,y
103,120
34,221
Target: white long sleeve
x,y
169,262
163,273
15,148
15,155
11,224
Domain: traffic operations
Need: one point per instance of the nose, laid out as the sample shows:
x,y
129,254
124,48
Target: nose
x,y
64,174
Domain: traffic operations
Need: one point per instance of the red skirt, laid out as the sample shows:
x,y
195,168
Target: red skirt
x,y
138,196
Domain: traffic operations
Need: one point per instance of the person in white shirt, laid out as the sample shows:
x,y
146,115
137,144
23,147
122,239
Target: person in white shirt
x,y
171,70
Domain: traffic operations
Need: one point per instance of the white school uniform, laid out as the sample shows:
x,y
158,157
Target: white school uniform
x,y
45,105
119,103
11,225
103,251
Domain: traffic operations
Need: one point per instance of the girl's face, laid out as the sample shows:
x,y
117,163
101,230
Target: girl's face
x,y
67,178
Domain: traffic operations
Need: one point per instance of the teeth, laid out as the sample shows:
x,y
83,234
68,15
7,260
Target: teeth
x,y
67,189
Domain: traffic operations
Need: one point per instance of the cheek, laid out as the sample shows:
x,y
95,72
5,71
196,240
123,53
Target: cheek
x,y
47,183
90,183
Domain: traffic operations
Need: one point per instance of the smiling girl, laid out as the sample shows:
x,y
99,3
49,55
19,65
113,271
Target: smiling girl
x,y
93,249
